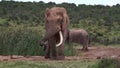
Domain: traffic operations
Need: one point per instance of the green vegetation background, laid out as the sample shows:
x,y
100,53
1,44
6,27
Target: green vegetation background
x,y
22,25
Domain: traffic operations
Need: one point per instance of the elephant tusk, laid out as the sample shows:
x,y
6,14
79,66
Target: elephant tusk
x,y
61,39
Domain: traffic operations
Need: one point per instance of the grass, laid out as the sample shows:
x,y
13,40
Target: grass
x,y
23,40
114,45
104,63
46,64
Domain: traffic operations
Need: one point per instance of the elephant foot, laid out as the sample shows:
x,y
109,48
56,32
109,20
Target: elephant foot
x,y
53,58
47,57
11,57
44,48
60,57
85,49
26,56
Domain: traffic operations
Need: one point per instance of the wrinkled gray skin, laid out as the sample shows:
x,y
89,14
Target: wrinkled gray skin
x,y
79,36
56,19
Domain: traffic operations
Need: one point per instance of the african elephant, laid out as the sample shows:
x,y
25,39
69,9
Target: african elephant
x,y
79,36
56,26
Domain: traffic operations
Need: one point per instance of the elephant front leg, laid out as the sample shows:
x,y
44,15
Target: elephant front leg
x,y
52,43
60,52
47,52
53,50
86,43
85,48
61,47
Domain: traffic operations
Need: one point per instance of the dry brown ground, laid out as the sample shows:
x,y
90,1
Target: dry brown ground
x,y
93,53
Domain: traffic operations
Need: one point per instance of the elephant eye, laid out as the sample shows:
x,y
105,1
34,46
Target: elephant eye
x,y
47,14
59,13
59,20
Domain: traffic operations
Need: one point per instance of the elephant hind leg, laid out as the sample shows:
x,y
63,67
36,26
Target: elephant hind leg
x,y
85,44
85,48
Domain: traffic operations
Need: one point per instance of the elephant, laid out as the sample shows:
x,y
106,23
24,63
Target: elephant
x,y
79,36
56,27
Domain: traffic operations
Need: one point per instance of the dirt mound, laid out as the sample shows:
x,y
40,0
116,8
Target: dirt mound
x,y
93,53
103,52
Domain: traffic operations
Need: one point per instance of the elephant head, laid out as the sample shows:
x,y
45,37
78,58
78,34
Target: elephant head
x,y
56,22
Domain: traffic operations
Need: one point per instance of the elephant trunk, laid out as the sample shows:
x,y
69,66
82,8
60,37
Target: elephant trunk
x,y
61,39
48,35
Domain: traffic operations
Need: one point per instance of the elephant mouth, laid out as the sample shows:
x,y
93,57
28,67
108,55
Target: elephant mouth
x,y
61,39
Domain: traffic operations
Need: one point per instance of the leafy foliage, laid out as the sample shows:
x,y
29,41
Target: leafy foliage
x,y
102,22
107,63
20,40
22,24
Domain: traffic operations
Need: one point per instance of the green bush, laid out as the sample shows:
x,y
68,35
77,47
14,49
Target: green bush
x,y
21,40
107,63
69,50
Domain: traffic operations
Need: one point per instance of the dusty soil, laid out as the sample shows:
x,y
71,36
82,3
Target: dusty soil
x,y
93,53
102,52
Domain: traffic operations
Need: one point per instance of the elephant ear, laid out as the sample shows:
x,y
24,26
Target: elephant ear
x,y
46,12
65,23
46,15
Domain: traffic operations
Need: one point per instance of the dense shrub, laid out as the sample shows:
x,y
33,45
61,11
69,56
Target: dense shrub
x,y
107,63
70,50
102,25
22,40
